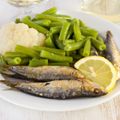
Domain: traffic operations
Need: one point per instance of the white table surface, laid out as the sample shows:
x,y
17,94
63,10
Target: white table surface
x,y
106,111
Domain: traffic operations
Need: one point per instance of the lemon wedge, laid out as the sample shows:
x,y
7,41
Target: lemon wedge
x,y
99,70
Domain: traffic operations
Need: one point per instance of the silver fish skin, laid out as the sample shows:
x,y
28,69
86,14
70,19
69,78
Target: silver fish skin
x,y
58,89
46,73
112,52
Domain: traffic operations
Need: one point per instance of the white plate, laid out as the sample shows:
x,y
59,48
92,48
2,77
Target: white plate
x,y
44,104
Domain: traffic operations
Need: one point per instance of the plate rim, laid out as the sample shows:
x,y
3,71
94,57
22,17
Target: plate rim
x,y
57,110
75,108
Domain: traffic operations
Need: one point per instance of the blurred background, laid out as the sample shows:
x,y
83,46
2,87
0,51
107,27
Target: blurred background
x,y
108,9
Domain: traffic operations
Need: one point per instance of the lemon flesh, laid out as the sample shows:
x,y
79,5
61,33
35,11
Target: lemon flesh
x,y
99,70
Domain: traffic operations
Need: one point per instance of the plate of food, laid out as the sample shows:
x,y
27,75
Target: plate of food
x,y
59,61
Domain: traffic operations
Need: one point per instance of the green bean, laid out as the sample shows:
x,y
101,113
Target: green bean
x,y
17,20
15,54
27,51
38,62
50,34
55,30
70,31
87,48
58,43
100,39
69,41
55,24
29,17
55,57
24,61
50,17
16,60
52,50
64,31
98,45
76,29
59,64
52,10
82,24
81,51
70,53
44,23
34,25
2,60
13,61
49,42
62,16
34,19
74,46
89,32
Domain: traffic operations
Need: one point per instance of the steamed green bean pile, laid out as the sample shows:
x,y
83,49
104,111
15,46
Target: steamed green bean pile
x,y
67,40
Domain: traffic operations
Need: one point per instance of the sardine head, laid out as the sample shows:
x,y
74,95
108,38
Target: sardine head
x,y
112,52
93,89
